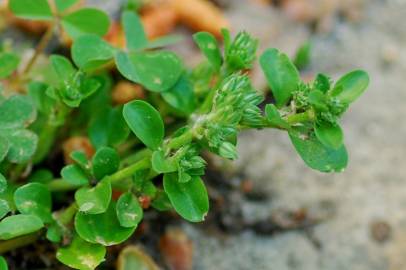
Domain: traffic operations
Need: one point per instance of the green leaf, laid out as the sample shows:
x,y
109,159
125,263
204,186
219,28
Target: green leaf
x,y
74,175
274,118
4,146
34,199
105,162
54,232
181,96
63,67
23,144
81,254
86,21
129,211
349,87
108,128
94,200
330,135
31,9
16,112
162,165
8,64
4,208
102,228
156,71
161,201
210,48
3,263
303,56
318,100
316,155
63,5
90,52
228,150
134,31
17,225
190,199
282,76
322,83
146,123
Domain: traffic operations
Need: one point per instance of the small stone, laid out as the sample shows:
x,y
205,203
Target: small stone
x,y
380,231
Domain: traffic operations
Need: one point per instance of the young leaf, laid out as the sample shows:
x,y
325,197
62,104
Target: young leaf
x,y
302,56
105,162
63,67
23,144
31,9
190,199
17,225
318,100
86,21
329,135
162,165
102,228
63,5
146,123
274,118
316,155
8,64
349,87
282,76
81,254
210,48
17,111
181,96
108,128
156,71
42,176
34,199
74,175
134,31
94,200
129,211
90,52
322,83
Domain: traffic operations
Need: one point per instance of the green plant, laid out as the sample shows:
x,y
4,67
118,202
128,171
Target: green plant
x,y
137,144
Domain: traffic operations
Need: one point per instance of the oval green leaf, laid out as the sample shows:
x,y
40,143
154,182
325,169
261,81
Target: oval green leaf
x,y
94,200
8,64
3,183
34,199
90,52
23,144
316,155
86,21
129,211
105,162
190,199
31,9
17,225
349,87
81,254
156,71
329,135
134,31
4,208
181,96
162,165
274,118
102,228
146,123
16,112
4,146
210,48
74,175
281,74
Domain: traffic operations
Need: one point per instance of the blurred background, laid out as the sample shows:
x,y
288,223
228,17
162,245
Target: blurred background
x,y
276,213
